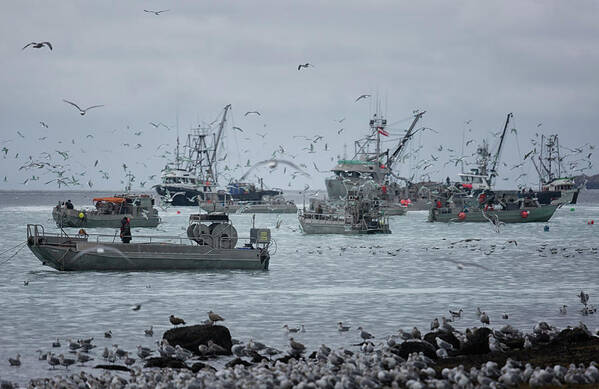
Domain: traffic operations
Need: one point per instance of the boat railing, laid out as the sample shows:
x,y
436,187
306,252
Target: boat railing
x,y
323,217
36,231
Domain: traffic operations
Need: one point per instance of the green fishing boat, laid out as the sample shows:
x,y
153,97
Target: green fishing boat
x,y
486,208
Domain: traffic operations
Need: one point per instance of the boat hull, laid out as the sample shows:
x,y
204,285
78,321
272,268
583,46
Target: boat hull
x,y
311,226
80,255
240,208
394,210
189,197
70,218
534,214
558,197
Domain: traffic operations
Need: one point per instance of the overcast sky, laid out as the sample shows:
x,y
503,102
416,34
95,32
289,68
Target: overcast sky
x,y
460,61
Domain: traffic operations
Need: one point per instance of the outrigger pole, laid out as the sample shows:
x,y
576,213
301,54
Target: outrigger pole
x,y
493,171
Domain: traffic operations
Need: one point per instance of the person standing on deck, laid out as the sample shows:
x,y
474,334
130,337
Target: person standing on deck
x,y
125,230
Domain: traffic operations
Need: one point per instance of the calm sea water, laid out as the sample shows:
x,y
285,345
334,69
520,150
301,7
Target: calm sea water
x,y
380,282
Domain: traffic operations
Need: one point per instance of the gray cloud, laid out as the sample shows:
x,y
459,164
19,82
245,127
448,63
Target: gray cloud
x,y
458,61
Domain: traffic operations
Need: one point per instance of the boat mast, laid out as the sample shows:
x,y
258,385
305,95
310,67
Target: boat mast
x,y
405,139
177,161
218,136
559,161
493,171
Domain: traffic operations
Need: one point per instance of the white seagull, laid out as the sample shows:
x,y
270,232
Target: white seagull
x,y
82,111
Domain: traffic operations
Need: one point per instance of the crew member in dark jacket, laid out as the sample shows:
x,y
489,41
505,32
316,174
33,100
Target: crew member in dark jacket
x,y
125,230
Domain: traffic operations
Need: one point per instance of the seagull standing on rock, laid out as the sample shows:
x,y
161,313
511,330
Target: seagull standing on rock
x,y
416,333
176,320
365,335
296,346
434,324
484,318
214,317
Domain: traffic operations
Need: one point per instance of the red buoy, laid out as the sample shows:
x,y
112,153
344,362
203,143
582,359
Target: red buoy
x,y
178,212
462,215
524,214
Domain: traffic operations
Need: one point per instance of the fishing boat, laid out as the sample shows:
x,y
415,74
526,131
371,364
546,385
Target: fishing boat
x,y
193,176
481,177
553,187
361,214
108,212
211,244
276,204
371,163
486,207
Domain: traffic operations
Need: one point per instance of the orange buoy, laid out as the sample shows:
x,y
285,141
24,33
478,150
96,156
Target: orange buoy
x,y
462,215
524,214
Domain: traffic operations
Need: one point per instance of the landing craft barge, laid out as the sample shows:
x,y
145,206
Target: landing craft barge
x,y
108,213
99,252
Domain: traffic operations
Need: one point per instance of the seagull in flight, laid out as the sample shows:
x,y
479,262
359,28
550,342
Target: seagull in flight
x,y
82,111
305,65
38,45
44,124
156,12
237,128
249,112
361,97
273,163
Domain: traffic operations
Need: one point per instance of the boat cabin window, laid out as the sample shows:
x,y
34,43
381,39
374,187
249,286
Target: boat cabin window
x,y
173,180
477,180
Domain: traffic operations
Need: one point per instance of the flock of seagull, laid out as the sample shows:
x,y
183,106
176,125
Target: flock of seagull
x,y
407,359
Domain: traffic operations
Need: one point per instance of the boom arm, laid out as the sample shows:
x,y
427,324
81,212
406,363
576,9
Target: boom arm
x,y
218,136
507,121
405,139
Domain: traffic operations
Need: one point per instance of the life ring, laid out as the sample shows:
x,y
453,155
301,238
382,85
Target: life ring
x,y
462,215
482,197
524,214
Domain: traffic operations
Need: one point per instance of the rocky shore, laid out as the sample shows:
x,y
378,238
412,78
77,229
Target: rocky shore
x,y
445,358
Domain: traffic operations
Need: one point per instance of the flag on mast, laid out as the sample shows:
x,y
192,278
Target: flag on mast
x,y
382,131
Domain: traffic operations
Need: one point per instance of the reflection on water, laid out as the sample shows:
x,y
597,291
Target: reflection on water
x,y
380,282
